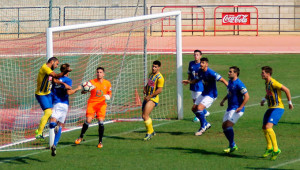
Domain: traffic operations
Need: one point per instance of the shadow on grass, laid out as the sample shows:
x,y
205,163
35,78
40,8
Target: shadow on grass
x,y
18,160
205,152
290,123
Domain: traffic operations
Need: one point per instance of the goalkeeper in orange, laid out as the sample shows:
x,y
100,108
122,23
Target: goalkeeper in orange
x,y
43,90
151,90
97,105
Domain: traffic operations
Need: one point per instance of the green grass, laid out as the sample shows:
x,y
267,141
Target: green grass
x,y
175,146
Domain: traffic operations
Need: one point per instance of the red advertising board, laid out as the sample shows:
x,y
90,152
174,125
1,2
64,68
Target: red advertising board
x,y
235,18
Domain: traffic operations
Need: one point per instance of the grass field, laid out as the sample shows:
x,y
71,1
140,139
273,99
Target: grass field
x,y
175,146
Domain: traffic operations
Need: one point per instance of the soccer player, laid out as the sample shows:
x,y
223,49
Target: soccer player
x,y
197,88
97,105
153,88
209,94
237,95
275,111
60,100
42,93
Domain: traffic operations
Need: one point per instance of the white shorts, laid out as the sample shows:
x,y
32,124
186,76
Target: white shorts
x,y
195,94
207,101
232,116
59,112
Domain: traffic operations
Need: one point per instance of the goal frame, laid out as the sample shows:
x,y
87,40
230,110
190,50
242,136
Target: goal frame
x,y
176,14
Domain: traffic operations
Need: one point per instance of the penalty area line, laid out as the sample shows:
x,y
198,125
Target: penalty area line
x,y
47,150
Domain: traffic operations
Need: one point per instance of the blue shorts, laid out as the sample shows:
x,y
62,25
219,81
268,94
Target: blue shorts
x,y
144,104
45,101
273,116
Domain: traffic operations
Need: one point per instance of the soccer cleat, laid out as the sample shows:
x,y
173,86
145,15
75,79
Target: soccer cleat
x,y
196,119
78,141
100,145
267,152
40,138
149,136
207,114
200,132
275,154
53,150
229,149
207,126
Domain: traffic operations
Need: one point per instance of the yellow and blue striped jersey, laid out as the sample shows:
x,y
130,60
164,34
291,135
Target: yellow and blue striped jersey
x,y
154,81
273,89
44,81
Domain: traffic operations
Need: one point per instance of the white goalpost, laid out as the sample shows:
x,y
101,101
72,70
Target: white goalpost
x,y
118,46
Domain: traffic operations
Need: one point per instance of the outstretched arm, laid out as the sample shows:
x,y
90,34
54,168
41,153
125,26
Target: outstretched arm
x,y
71,91
185,82
224,81
288,96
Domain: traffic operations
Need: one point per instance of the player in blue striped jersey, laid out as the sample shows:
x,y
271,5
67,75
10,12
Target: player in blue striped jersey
x,y
237,96
197,88
209,94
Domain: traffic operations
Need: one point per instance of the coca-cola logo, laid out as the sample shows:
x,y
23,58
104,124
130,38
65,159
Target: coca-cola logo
x,y
236,18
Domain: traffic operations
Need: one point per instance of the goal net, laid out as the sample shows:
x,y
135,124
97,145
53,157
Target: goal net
x,y
121,46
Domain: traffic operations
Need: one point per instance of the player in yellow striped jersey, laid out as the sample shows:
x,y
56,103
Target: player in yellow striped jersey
x,y
42,93
151,90
275,111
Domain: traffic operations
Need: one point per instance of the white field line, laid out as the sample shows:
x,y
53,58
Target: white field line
x,y
286,163
35,153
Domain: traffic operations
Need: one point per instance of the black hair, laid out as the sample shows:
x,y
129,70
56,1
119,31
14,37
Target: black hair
x,y
204,59
156,62
267,69
64,67
52,59
235,69
198,51
100,68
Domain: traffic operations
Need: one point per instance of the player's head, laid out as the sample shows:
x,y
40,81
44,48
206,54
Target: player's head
x,y
233,72
64,68
266,72
155,66
53,61
100,72
203,63
197,55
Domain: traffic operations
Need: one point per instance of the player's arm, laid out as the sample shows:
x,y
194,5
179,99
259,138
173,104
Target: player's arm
x,y
72,91
246,98
288,96
223,81
263,100
224,99
157,91
55,80
185,82
54,75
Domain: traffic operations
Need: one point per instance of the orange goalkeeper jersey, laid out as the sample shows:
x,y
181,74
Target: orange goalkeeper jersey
x,y
101,89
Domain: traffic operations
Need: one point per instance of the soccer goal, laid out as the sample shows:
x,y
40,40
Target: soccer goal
x,y
123,47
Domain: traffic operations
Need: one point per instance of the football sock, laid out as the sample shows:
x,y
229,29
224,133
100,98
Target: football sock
x,y
201,117
57,136
51,133
229,133
268,139
204,111
149,126
273,139
85,127
44,119
100,130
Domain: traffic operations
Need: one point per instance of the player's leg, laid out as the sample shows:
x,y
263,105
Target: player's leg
x,y
272,116
45,102
230,118
147,109
101,117
90,112
203,102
